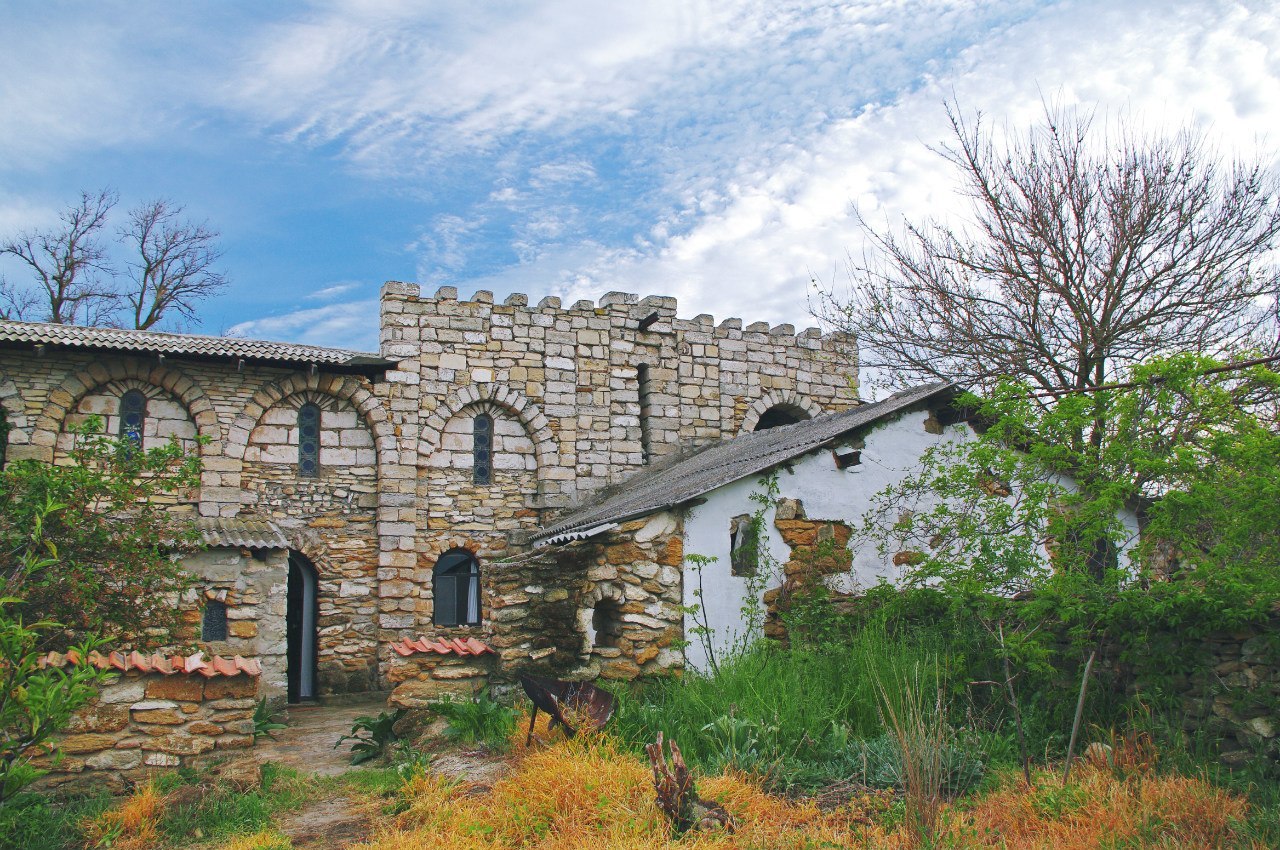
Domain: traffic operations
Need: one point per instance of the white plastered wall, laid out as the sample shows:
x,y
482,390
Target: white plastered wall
x,y
892,450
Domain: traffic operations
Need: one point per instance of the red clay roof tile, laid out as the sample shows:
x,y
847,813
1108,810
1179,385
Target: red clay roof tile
x,y
454,646
134,660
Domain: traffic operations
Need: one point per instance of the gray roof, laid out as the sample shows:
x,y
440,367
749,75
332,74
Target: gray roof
x,y
249,533
726,461
190,346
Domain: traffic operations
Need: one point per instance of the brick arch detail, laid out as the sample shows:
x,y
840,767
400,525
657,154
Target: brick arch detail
x,y
777,398
340,387
171,379
526,413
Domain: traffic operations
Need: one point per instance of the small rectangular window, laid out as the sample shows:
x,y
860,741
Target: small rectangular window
x,y
744,545
213,625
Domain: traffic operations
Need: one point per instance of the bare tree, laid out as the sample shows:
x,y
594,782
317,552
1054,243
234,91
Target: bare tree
x,y
172,266
69,264
1088,248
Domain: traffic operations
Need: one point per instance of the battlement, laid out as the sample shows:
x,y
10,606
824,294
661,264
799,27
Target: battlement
x,y
651,314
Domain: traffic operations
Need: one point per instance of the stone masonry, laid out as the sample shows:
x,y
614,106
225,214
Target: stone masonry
x,y
580,397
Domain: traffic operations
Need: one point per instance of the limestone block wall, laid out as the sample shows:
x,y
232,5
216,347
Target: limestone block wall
x,y
252,586
595,384
143,722
441,670
346,522
333,518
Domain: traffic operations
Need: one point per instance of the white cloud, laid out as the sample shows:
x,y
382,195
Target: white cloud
x,y
350,324
763,232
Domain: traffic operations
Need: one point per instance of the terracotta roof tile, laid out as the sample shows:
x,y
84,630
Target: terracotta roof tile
x,y
453,646
192,664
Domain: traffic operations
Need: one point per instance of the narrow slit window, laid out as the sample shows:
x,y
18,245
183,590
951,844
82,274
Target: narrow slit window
x,y
482,449
213,624
456,589
646,411
133,415
309,441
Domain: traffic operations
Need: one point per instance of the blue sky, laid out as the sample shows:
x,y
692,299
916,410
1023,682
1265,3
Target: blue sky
x,y
711,151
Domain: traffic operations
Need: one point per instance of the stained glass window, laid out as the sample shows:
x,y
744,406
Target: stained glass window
x,y
133,413
309,441
482,453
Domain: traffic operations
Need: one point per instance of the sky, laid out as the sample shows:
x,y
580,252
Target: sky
x,y
722,152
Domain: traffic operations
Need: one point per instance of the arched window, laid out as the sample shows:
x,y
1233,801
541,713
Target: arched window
x,y
213,624
133,414
482,449
309,441
455,587
779,415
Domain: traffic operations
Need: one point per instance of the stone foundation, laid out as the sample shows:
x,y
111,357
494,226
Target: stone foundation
x,y
143,722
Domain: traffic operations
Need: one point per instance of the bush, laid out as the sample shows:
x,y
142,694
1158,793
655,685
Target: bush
x,y
91,546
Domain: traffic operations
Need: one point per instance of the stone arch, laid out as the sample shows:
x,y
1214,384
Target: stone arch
x,y
310,386
787,400
525,412
604,597
14,413
171,379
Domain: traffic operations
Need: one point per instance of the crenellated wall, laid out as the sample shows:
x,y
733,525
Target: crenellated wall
x,y
580,397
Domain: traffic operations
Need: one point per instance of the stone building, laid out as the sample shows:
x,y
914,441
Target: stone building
x,y
368,516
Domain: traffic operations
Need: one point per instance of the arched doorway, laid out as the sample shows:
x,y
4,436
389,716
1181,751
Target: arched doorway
x,y
300,628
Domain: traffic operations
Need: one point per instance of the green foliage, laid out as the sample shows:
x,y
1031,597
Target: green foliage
x,y
264,721
37,822
477,720
35,702
90,545
372,736
800,716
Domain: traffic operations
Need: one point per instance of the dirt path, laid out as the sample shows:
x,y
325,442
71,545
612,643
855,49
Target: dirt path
x,y
307,745
329,824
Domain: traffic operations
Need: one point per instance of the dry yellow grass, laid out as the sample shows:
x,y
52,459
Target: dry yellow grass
x,y
588,794
1101,810
133,825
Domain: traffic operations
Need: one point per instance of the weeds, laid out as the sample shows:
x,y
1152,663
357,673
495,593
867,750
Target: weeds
x,y
914,708
264,721
477,720
372,736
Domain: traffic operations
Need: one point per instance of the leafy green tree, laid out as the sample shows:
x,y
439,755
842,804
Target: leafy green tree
x,y
1023,509
93,544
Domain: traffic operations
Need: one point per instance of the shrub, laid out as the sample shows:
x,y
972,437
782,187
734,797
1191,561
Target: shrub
x,y
477,720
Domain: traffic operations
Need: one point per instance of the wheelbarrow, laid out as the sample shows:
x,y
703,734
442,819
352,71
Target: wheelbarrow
x,y
590,707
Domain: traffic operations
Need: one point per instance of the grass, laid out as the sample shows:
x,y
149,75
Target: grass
x,y
594,792
800,717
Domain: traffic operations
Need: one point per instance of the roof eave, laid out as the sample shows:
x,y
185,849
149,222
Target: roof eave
x,y
370,367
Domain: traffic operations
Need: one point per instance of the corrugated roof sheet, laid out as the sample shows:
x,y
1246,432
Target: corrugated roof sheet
x,y
251,534
191,345
444,646
169,665
726,461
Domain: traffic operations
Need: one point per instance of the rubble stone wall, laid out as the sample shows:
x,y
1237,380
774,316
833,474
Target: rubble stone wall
x,y
252,586
142,723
